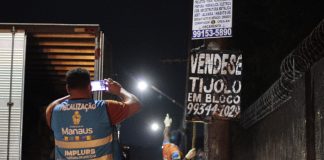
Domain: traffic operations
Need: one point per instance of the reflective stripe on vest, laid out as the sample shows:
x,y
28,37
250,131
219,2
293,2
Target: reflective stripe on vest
x,y
84,144
105,157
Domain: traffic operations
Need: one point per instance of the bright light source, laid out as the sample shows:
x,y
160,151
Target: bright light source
x,y
142,85
155,127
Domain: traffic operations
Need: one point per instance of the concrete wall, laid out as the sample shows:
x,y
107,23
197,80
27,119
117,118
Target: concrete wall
x,y
279,136
318,73
284,135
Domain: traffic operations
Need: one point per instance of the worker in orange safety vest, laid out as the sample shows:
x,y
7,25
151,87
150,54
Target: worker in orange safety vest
x,y
170,150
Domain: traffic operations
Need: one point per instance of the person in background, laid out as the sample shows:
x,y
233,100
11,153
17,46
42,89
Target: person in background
x,y
171,141
83,127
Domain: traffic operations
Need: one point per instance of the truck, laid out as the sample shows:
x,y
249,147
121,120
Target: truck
x,y
34,58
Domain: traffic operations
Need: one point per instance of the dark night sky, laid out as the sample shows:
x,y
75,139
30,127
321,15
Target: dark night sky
x,y
143,32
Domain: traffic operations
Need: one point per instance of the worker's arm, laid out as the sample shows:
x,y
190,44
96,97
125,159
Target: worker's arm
x,y
166,132
50,108
190,155
128,106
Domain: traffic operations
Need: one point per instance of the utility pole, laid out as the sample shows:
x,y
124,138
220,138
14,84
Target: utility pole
x,y
217,133
217,142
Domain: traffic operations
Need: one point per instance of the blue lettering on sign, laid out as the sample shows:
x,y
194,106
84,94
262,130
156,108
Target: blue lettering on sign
x,y
212,33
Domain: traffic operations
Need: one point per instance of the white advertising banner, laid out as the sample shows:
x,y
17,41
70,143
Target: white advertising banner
x,y
214,85
212,19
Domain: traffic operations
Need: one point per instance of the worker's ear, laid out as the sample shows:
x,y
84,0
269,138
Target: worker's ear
x,y
67,89
89,87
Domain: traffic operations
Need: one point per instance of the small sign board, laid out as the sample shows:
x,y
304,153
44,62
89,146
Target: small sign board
x,y
212,19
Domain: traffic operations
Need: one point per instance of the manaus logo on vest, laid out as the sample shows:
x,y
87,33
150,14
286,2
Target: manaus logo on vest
x,y
79,131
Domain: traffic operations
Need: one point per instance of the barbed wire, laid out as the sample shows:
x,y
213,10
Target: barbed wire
x,y
292,68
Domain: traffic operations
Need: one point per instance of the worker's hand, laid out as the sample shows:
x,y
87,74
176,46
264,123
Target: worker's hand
x,y
167,121
113,86
191,154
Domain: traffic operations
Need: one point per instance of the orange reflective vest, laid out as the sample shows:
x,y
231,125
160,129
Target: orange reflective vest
x,y
171,152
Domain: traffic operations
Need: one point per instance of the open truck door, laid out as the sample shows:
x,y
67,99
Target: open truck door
x,y
12,64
